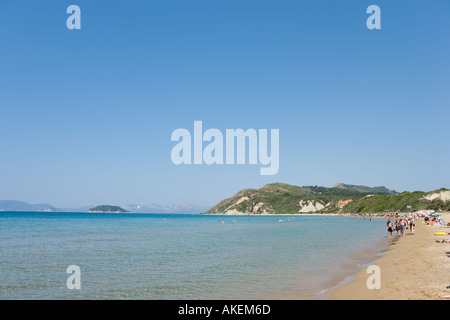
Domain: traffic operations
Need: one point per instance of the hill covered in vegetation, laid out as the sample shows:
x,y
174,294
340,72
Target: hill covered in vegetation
x,y
108,209
281,198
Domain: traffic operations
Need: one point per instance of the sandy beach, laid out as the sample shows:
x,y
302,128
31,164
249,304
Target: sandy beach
x,y
416,268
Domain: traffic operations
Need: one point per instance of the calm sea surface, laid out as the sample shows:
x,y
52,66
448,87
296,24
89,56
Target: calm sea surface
x,y
156,256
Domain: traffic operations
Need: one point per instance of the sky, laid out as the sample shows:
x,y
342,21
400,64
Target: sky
x,y
87,115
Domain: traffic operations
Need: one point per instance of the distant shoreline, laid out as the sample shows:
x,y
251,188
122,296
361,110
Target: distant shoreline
x,y
272,214
371,215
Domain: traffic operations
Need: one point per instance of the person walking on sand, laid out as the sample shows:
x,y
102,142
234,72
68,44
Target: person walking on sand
x,y
412,226
389,228
397,227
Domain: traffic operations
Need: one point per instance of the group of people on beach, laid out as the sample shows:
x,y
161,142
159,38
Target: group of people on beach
x,y
400,225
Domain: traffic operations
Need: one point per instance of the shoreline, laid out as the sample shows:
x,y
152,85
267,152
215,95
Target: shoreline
x,y
362,259
273,214
415,267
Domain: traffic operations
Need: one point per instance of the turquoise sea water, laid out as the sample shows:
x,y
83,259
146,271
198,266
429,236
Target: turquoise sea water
x,y
156,256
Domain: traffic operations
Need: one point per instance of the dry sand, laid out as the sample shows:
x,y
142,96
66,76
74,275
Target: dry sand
x,y
416,268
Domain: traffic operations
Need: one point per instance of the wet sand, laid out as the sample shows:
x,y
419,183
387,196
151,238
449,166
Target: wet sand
x,y
416,268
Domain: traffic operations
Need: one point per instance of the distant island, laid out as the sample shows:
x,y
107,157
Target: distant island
x,y
108,209
180,207
13,205
282,198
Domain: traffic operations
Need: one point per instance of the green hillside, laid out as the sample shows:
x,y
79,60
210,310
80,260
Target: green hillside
x,y
404,201
281,198
365,189
379,203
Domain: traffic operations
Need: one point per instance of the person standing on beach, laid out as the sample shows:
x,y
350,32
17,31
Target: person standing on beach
x,y
397,226
402,226
389,228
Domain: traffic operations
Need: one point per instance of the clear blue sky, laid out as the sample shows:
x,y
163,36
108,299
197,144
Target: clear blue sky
x,y
86,115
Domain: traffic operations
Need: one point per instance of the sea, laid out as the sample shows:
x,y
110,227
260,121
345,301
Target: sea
x,y
182,256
